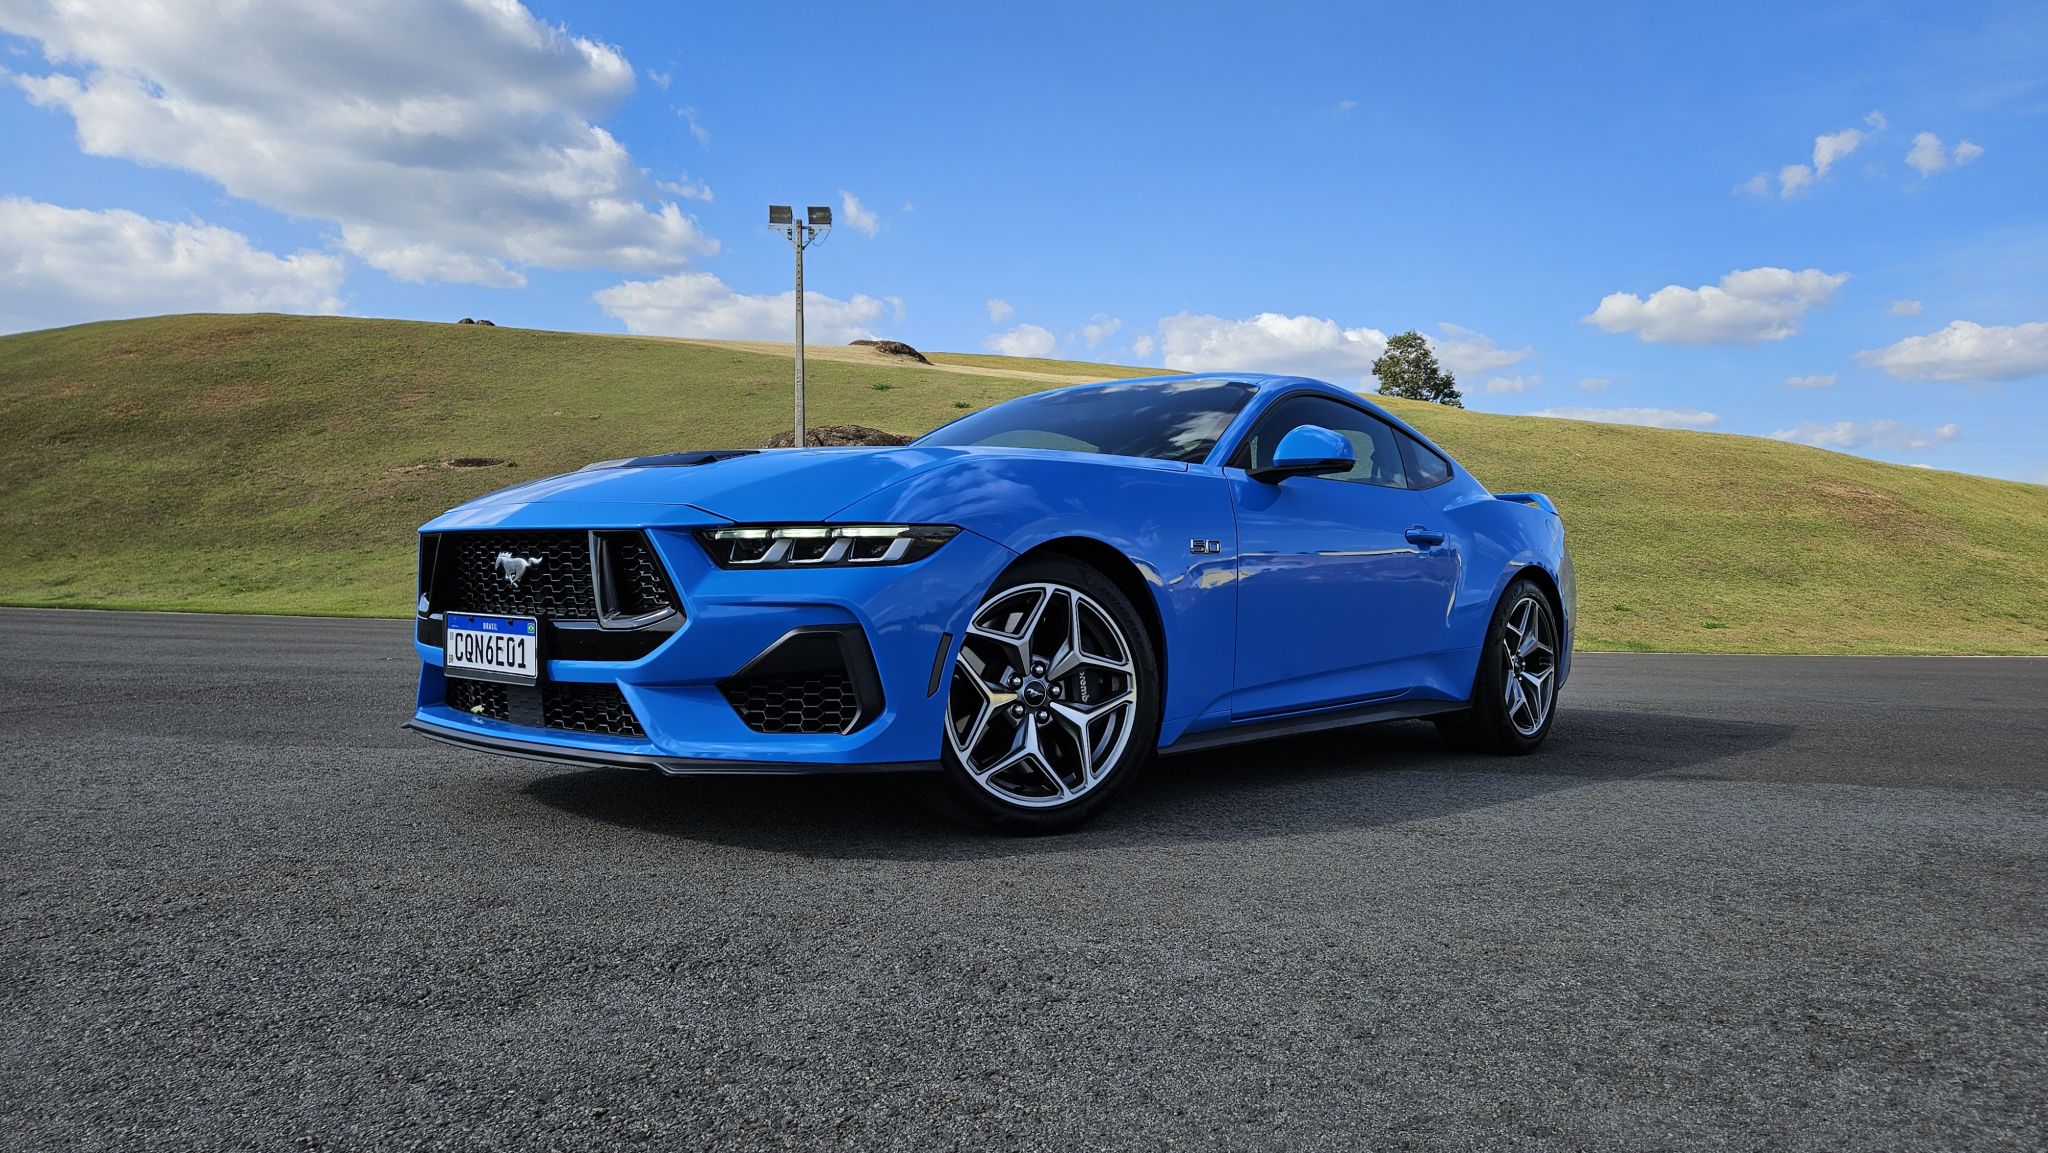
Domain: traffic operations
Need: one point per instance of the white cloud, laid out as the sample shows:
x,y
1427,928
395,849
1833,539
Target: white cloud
x,y
698,304
1828,149
661,79
1508,385
1927,156
70,265
1345,106
1966,352
1594,383
1270,342
1464,351
1834,146
1869,434
856,215
686,188
697,129
999,310
1142,347
1652,417
1023,340
1907,308
1758,185
1099,328
1815,381
1749,306
449,141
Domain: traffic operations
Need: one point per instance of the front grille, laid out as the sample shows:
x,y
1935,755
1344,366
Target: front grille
x,y
822,701
588,708
556,584
570,706
479,698
558,587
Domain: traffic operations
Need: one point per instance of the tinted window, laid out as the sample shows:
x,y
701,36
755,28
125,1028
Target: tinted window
x,y
1170,420
1379,454
1425,468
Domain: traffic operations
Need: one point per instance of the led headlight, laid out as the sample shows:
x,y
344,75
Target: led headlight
x,y
806,545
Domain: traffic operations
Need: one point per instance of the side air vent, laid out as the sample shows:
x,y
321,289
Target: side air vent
x,y
813,680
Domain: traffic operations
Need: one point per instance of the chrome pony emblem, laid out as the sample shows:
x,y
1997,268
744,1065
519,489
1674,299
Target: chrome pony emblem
x,y
513,568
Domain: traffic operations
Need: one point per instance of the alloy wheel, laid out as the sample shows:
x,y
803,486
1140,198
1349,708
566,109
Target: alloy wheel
x,y
1043,697
1529,656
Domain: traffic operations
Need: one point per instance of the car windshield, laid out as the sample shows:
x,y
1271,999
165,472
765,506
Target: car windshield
x,y
1165,420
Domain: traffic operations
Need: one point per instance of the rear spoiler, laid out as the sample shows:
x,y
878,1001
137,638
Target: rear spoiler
x,y
1532,499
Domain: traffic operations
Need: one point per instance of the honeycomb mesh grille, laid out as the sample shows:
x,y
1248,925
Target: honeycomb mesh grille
x,y
823,701
478,698
571,707
588,708
638,581
558,587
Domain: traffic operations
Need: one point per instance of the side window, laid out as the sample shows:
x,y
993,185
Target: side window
x,y
1425,468
1374,441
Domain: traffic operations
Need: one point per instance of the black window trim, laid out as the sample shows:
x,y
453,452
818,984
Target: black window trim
x,y
1420,445
1244,438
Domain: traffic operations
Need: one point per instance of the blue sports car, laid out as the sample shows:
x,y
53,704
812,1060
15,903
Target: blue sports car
x,y
1029,602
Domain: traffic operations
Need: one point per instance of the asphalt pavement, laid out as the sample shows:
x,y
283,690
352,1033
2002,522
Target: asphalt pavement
x,y
1736,902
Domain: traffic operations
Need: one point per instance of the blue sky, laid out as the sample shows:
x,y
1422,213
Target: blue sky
x,y
1862,189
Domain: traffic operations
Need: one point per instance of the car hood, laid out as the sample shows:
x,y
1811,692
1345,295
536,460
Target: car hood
x,y
758,487
770,485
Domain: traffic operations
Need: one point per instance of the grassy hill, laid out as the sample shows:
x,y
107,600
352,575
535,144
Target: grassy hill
x,y
279,464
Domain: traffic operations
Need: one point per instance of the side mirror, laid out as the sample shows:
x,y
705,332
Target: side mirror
x,y
1309,450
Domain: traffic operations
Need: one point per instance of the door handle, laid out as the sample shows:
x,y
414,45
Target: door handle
x,y
1427,537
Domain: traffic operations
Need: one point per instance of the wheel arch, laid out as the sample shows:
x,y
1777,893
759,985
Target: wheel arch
x,y
1542,578
1122,572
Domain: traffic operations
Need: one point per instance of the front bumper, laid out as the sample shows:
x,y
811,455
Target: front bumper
x,y
910,616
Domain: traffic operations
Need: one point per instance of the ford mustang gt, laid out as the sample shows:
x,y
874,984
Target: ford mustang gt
x,y
1030,602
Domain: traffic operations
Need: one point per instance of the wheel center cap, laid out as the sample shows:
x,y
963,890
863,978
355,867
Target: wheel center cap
x,y
1034,692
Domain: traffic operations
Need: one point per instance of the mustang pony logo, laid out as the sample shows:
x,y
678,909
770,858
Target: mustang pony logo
x,y
513,568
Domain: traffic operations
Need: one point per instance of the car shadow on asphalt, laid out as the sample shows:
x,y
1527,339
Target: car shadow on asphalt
x,y
1358,778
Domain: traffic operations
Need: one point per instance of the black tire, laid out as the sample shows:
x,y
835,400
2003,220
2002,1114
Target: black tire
x,y
1040,747
1494,723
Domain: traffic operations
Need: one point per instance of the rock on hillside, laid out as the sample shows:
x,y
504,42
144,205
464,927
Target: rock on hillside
x,y
837,436
893,348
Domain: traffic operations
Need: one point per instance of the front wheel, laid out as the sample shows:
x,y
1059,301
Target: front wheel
x,y
1514,694
1053,704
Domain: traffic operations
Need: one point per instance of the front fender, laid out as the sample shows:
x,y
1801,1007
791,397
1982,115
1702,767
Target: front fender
x,y
1149,512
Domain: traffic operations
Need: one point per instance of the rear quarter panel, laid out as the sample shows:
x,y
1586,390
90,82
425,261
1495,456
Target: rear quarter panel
x,y
1498,540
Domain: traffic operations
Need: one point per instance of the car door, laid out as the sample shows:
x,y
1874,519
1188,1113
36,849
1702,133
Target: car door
x,y
1344,584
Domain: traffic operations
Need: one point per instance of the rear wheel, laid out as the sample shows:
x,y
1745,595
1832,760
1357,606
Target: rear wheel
x,y
1514,694
1053,704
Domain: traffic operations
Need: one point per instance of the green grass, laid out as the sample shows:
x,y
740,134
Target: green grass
x,y
279,464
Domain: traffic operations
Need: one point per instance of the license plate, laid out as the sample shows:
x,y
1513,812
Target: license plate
x,y
503,649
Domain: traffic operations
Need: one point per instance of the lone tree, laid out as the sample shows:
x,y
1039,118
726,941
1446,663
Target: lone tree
x,y
1408,368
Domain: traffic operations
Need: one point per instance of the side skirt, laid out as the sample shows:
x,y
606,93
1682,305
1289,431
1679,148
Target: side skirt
x,y
1312,723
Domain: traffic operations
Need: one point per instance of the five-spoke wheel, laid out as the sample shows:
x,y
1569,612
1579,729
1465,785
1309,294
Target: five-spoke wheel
x,y
1052,696
1529,651
1514,694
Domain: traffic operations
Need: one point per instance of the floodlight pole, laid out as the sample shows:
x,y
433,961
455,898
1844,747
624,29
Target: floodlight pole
x,y
799,245
801,234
